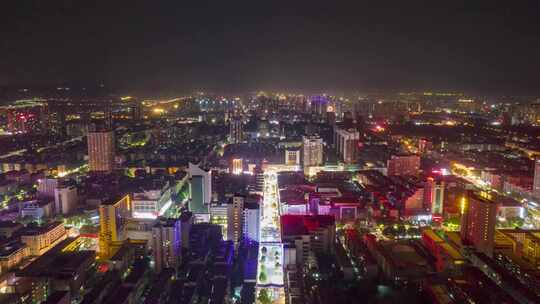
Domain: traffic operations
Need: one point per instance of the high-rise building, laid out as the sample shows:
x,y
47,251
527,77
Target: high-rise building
x,y
331,118
292,157
251,221
219,214
235,130
113,216
136,109
536,183
434,196
200,192
166,239
46,186
346,142
237,166
313,151
234,219
403,165
65,199
101,150
478,221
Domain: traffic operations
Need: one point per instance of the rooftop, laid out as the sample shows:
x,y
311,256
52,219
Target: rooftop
x,y
304,224
35,230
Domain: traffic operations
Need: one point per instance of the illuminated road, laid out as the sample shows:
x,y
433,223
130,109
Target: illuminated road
x,y
270,284
533,209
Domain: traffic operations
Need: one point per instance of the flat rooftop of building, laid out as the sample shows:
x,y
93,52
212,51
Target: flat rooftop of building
x,y
303,224
9,247
57,262
404,256
35,230
113,200
145,183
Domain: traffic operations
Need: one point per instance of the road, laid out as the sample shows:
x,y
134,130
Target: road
x,y
270,274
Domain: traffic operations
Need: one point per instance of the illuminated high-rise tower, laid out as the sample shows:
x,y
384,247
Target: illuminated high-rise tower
x,y
313,151
166,239
536,184
346,142
101,150
235,130
434,193
113,216
478,221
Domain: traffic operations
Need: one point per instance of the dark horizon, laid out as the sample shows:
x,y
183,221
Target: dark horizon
x,y
479,48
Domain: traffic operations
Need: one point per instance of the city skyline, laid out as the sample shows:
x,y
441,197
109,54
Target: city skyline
x,y
269,153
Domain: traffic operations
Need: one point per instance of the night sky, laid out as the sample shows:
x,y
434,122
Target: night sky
x,y
481,46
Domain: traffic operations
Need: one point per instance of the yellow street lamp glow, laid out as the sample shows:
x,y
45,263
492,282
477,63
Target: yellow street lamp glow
x,y
463,205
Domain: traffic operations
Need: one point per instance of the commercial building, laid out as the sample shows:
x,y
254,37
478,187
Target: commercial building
x,y
149,204
346,142
146,204
313,151
403,165
113,216
40,239
478,221
166,238
101,151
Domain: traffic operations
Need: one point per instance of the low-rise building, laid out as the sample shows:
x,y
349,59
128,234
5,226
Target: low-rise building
x,y
309,234
447,258
40,239
400,261
12,254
